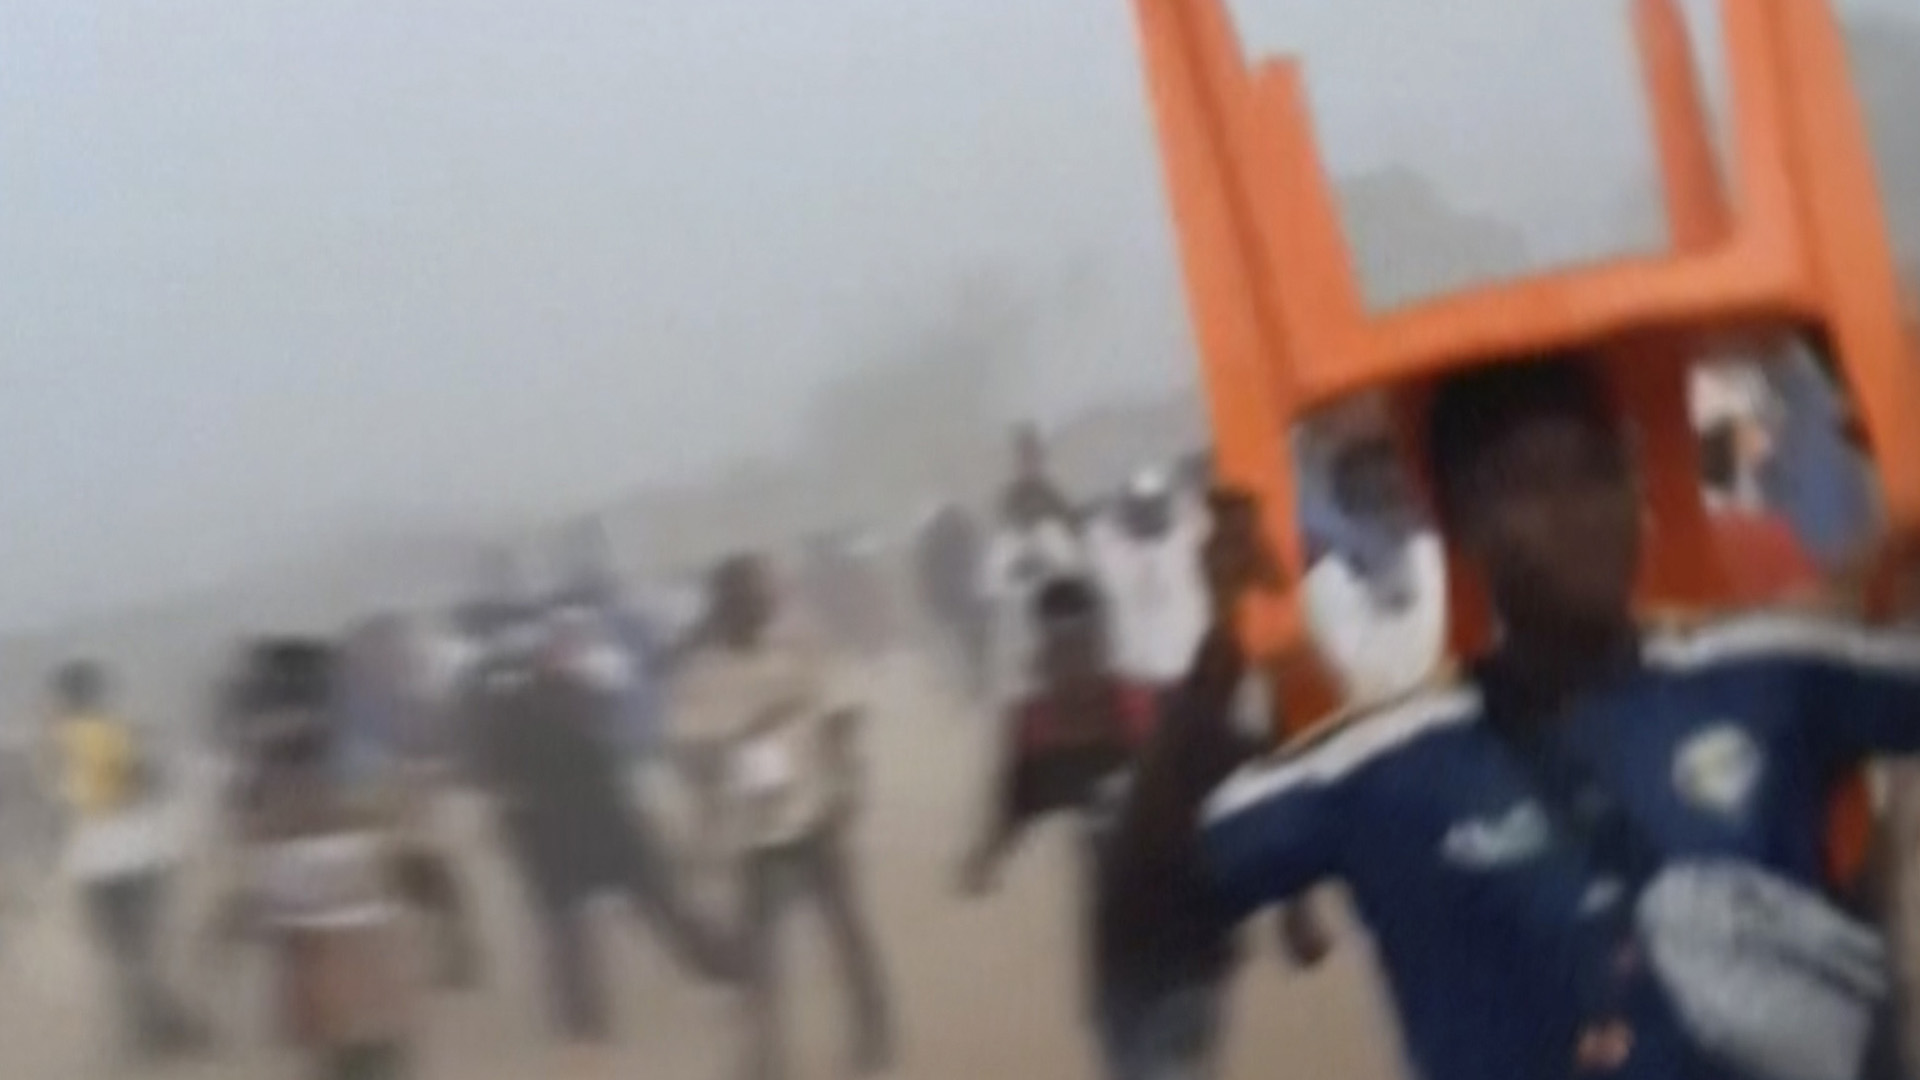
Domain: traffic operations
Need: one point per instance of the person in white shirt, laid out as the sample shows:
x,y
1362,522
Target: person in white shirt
x,y
1036,541
1146,558
1375,589
760,698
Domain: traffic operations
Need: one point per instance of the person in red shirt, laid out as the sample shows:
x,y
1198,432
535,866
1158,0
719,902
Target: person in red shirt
x,y
1070,746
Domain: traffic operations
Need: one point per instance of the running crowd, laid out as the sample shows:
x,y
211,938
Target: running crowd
x,y
1600,848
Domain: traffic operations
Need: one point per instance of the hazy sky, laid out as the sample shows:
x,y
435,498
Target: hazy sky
x,y
275,264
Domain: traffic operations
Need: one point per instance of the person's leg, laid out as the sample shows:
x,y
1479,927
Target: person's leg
x,y
763,889
125,916
173,1026
337,1063
1875,900
140,916
109,923
576,998
642,871
977,644
579,992
700,772
367,1061
429,883
828,865
1174,1036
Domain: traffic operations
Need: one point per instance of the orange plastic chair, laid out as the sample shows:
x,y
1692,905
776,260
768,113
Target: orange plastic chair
x,y
1281,328
1802,245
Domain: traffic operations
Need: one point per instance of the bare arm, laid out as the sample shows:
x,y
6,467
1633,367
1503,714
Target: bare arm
x,y
1156,875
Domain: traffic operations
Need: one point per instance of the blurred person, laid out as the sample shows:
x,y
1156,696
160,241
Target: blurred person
x,y
949,550
1816,476
1560,853
1763,556
1767,564
592,587
121,850
1375,591
761,700
326,883
1033,542
1068,749
1033,491
30,832
678,603
542,702
1733,395
1145,555
499,600
395,712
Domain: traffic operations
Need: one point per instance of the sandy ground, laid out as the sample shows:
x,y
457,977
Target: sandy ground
x,y
984,989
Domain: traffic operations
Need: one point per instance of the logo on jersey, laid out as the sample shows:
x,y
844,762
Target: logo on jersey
x,y
1519,834
1718,770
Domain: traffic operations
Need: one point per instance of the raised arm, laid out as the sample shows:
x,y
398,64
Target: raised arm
x,y
1157,874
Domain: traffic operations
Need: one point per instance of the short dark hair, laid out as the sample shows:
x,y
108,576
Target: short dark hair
x,y
288,673
1474,409
1065,598
80,684
733,569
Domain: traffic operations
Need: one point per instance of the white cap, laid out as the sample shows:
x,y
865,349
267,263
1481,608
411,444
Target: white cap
x,y
1149,484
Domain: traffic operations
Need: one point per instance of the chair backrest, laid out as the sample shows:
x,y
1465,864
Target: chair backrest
x,y
1798,246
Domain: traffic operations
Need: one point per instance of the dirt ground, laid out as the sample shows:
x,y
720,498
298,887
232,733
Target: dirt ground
x,y
983,989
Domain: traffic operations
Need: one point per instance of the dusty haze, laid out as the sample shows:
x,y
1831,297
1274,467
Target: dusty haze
x,y
341,285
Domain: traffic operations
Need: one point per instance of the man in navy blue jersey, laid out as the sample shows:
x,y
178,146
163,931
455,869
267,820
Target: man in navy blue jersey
x,y
1497,831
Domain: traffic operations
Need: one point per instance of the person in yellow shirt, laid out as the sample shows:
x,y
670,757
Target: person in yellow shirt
x,y
119,852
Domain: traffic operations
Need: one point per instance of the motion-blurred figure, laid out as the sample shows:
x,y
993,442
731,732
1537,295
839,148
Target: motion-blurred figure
x,y
1816,477
1033,486
326,880
760,700
1068,750
949,553
1035,540
1764,559
30,832
1375,588
396,709
1146,558
121,850
543,702
590,585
